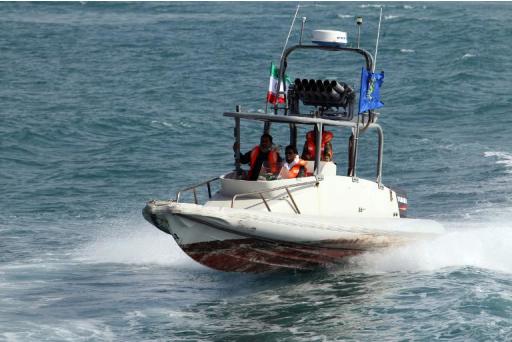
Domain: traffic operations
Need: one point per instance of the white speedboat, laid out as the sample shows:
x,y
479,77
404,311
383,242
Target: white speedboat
x,y
298,223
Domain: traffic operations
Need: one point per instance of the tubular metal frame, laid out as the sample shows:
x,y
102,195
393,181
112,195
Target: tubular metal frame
x,y
285,187
282,72
296,120
193,189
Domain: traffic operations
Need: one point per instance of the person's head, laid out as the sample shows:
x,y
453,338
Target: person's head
x,y
266,142
290,153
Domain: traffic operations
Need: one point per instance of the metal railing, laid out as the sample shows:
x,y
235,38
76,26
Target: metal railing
x,y
286,187
193,189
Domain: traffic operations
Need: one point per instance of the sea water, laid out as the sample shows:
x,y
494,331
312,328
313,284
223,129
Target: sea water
x,y
104,106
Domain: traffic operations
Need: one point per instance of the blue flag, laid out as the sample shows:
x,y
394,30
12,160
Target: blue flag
x,y
369,97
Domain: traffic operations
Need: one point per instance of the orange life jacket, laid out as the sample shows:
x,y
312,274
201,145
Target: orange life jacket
x,y
294,171
271,159
311,143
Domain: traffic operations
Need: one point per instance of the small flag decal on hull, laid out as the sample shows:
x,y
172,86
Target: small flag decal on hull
x,y
402,204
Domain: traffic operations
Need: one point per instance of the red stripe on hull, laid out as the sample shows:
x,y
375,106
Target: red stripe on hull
x,y
252,255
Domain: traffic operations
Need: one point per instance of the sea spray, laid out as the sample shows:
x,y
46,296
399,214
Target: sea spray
x,y
128,241
486,247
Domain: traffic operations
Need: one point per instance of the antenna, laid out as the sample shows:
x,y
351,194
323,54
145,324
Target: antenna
x,y
290,31
377,43
282,54
302,29
359,22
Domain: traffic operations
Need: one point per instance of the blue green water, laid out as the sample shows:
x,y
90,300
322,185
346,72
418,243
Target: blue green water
x,y
104,106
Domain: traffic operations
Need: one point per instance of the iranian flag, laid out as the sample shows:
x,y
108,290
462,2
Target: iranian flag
x,y
272,86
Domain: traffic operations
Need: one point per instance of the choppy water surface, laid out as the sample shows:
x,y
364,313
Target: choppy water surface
x,y
104,106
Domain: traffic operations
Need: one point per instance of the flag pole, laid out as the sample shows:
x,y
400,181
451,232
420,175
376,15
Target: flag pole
x,y
357,130
266,96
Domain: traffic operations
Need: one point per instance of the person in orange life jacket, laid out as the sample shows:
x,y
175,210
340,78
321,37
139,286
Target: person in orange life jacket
x,y
294,166
308,152
264,152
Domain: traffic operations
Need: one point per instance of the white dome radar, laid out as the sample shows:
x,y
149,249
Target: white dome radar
x,y
329,37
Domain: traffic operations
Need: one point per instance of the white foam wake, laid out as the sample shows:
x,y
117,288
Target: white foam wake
x,y
482,245
138,243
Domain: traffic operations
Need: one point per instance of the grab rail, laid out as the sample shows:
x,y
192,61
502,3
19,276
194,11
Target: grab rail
x,y
193,188
286,187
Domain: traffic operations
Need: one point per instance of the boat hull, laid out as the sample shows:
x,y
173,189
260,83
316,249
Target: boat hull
x,y
255,255
243,241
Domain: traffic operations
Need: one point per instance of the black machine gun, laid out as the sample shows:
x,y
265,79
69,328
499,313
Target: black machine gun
x,y
331,98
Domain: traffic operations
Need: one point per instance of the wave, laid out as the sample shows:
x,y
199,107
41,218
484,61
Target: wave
x,y
407,51
503,158
371,6
483,245
390,17
468,55
66,330
392,6
163,123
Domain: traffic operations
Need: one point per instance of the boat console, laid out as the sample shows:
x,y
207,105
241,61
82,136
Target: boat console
x,y
232,183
